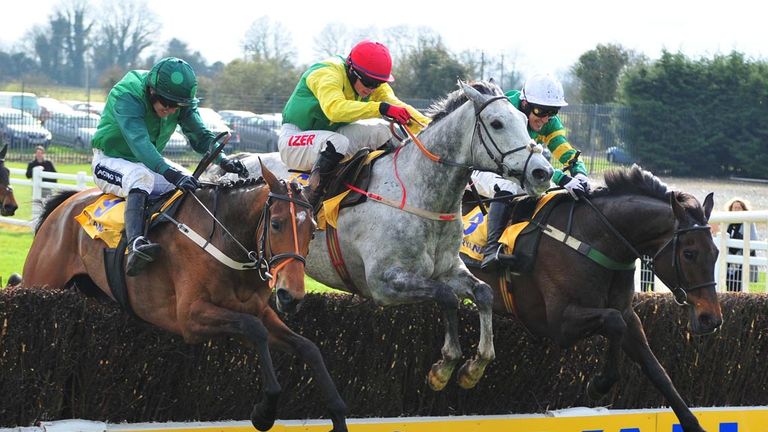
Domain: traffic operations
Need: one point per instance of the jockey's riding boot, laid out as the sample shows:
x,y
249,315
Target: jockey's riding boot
x,y
140,251
324,166
498,218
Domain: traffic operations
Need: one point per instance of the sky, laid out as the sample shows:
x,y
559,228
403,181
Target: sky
x,y
549,38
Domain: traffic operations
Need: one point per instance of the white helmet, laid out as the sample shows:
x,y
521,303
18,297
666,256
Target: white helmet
x,y
544,89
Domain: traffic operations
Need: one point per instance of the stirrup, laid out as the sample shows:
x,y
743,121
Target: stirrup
x,y
140,245
494,260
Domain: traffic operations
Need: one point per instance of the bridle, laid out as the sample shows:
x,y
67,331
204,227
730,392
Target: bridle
x,y
266,258
497,158
263,260
681,287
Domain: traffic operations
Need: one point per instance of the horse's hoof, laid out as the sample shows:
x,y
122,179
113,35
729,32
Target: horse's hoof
x,y
437,379
262,419
467,379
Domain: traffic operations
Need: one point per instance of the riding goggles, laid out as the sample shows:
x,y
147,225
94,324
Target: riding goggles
x,y
169,104
544,111
366,81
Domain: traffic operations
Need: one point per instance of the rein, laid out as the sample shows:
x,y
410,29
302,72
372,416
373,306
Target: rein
x,y
263,260
680,292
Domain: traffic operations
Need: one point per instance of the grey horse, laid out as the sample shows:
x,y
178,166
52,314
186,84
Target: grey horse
x,y
394,256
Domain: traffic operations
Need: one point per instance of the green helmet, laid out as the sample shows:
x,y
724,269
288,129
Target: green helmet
x,y
173,79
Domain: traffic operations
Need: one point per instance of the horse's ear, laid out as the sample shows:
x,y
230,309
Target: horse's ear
x,y
4,151
677,207
477,98
270,178
709,203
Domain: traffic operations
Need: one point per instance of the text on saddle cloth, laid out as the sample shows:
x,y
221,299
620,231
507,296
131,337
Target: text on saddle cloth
x,y
104,219
476,230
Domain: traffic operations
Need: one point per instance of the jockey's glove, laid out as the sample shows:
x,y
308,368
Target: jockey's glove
x,y
397,113
574,186
181,180
232,165
584,181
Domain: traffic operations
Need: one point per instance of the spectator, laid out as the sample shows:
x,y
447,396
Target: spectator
x,y
47,165
736,231
40,160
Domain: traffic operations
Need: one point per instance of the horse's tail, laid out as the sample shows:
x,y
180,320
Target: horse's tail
x,y
50,204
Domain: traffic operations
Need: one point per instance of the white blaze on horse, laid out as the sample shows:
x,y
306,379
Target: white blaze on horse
x,y
407,255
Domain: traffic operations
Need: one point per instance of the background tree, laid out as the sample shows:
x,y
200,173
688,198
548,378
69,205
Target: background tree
x,y
429,70
333,39
267,40
126,29
599,70
180,49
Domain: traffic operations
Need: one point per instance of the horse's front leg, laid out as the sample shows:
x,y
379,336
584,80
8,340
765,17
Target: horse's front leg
x,y
482,295
399,286
285,339
636,347
579,322
208,320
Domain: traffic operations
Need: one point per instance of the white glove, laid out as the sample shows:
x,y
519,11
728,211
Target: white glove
x,y
575,186
585,181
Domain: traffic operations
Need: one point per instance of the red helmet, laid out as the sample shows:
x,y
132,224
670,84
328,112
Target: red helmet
x,y
371,59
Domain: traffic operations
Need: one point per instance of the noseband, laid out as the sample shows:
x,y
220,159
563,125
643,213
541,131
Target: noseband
x,y
479,123
680,291
265,258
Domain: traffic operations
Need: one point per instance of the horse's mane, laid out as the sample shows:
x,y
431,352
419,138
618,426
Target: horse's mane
x,y
637,181
456,98
50,204
5,174
223,183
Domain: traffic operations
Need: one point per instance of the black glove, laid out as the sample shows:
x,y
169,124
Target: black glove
x,y
233,166
181,180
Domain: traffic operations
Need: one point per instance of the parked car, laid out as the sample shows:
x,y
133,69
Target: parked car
x,y
235,117
216,124
257,135
619,155
177,143
91,107
25,101
73,130
50,107
20,130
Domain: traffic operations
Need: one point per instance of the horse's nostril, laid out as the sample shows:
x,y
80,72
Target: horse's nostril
x,y
284,297
542,174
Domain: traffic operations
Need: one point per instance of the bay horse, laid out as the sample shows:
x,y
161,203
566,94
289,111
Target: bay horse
x,y
569,296
195,289
408,253
8,203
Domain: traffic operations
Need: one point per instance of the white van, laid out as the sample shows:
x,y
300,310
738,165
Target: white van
x,y
22,101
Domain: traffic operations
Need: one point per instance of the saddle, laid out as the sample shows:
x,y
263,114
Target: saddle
x,y
521,237
355,172
102,220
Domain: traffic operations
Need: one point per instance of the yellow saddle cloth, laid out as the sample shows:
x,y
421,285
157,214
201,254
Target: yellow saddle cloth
x,y
476,231
104,219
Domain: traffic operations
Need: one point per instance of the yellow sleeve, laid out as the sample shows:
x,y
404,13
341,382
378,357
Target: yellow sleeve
x,y
339,104
385,94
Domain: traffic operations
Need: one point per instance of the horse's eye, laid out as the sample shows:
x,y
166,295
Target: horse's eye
x,y
496,124
276,225
689,255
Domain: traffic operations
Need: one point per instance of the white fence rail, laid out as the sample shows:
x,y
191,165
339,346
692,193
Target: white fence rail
x,y
757,264
40,188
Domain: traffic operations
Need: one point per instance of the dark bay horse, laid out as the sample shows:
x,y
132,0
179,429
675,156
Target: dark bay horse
x,y
569,296
257,233
8,203
408,252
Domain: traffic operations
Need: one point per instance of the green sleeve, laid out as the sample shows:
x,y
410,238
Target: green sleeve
x,y
129,115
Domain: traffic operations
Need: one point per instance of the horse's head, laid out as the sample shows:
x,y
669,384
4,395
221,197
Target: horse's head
x,y
287,228
686,262
501,135
8,203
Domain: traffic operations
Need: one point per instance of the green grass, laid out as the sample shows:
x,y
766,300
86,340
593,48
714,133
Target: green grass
x,y
57,92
